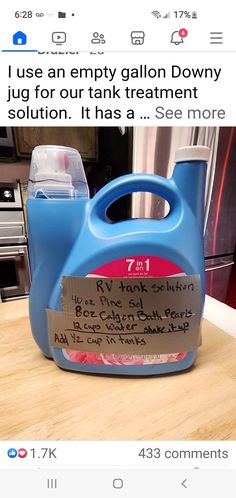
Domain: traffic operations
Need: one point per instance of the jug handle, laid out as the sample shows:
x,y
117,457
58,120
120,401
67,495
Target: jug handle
x,y
135,182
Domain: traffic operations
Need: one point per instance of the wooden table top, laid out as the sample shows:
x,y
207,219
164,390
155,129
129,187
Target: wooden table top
x,y
39,401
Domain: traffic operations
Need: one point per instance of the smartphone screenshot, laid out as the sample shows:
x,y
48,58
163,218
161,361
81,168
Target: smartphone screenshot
x,y
117,249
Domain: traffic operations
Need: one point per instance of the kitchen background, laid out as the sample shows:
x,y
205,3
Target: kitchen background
x,y
110,152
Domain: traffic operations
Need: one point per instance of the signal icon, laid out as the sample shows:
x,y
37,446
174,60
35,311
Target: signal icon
x,y
167,16
156,14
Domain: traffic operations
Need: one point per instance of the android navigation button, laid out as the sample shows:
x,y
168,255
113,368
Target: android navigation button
x,y
184,483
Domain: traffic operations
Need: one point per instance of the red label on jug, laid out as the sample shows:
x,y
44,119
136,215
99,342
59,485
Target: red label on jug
x,y
138,266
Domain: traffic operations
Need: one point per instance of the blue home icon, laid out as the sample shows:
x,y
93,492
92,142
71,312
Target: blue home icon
x,y
19,38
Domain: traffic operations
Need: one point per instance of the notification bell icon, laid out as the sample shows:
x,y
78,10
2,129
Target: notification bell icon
x,y
176,38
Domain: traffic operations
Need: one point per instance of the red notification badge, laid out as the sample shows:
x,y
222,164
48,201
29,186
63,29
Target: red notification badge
x,y
183,33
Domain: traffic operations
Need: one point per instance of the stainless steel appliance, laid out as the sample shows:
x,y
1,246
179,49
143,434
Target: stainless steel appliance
x,y
220,235
7,145
14,260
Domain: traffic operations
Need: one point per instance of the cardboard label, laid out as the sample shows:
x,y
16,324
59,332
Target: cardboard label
x,y
131,338
128,315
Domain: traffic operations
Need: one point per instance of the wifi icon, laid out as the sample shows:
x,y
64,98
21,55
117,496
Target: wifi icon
x,y
156,14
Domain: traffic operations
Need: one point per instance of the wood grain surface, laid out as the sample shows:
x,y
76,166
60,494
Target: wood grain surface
x,y
39,401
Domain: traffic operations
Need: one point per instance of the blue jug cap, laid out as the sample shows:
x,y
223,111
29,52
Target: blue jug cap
x,y
192,153
57,172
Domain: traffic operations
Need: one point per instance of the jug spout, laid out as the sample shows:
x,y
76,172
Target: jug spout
x,y
190,177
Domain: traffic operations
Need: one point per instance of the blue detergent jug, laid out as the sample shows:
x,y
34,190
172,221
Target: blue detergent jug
x,y
74,238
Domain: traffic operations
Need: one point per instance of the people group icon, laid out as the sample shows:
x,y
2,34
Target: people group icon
x,y
98,38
